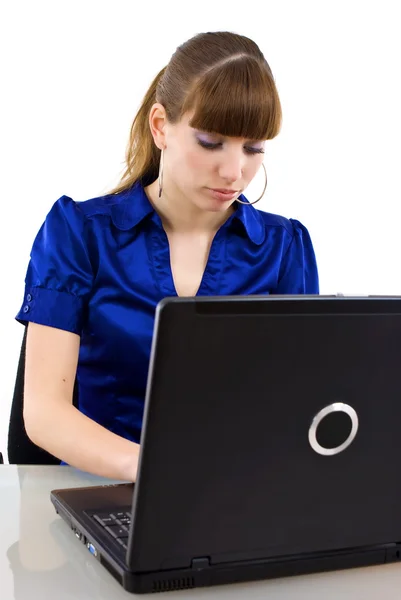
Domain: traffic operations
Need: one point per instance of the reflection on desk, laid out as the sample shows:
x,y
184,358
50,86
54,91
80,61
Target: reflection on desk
x,y
40,558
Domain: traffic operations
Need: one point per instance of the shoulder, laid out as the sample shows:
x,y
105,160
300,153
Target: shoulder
x,y
288,226
101,206
125,209
88,213
65,205
271,220
279,230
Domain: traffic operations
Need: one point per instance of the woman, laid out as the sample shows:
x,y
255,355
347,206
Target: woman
x,y
177,224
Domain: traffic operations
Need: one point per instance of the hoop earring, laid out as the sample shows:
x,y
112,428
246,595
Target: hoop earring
x,y
161,167
263,193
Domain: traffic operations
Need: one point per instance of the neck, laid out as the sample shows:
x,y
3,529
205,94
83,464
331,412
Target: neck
x,y
179,215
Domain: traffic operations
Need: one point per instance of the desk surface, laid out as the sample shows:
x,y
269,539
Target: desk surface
x,y
40,558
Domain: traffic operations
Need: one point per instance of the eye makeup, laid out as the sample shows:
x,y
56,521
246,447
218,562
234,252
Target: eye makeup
x,y
209,142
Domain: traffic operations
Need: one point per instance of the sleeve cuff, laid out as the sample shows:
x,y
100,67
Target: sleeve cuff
x,y
52,308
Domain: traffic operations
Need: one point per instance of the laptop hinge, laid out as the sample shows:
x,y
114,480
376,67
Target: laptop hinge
x,y
200,563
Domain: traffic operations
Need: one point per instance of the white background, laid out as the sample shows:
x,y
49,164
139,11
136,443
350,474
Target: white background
x,y
73,73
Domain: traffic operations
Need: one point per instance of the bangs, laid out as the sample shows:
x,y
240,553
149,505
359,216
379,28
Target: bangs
x,y
236,98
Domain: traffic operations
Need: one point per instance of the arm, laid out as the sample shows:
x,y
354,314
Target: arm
x,y
58,287
51,420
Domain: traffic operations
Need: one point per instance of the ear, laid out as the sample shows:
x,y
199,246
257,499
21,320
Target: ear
x,y
157,124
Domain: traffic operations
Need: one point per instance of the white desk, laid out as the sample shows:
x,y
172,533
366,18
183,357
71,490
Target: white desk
x,y
40,558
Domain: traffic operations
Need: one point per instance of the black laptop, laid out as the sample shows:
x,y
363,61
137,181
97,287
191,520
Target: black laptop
x,y
271,446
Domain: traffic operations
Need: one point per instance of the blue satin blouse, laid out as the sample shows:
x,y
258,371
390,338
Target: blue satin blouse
x,y
98,269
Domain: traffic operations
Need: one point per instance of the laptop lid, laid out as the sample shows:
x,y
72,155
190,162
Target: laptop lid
x,y
238,410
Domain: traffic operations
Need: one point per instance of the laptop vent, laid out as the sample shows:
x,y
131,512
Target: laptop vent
x,y
169,585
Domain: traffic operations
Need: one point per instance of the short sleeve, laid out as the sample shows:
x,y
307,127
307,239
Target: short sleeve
x,y
59,277
298,270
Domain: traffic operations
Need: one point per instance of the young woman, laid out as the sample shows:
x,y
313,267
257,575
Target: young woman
x,y
178,224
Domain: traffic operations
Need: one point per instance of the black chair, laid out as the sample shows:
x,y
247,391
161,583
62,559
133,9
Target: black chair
x,y
21,450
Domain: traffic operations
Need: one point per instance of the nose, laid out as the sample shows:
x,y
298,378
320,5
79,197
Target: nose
x,y
230,168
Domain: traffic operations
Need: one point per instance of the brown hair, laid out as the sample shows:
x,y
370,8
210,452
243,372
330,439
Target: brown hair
x,y
225,80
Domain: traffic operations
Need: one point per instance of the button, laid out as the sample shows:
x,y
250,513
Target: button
x,y
29,298
26,309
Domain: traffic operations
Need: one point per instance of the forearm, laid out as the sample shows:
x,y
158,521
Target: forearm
x,y
77,440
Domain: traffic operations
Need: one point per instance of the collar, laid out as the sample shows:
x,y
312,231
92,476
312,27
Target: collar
x,y
133,206
130,207
251,220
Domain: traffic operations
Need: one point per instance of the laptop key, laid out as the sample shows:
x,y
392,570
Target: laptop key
x,y
117,515
116,531
104,520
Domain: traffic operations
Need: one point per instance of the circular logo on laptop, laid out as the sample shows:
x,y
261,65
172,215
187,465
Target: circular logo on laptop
x,y
333,429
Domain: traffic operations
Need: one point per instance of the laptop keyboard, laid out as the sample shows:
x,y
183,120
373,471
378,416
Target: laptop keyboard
x,y
116,524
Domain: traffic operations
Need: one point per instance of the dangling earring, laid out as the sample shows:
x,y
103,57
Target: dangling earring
x,y
263,193
161,173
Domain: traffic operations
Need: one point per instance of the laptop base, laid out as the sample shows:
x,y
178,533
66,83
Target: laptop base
x,y
203,574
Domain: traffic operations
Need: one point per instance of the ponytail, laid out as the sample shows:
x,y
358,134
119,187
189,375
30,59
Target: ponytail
x,y
142,155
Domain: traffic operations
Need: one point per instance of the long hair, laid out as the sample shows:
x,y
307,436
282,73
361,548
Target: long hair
x,y
224,79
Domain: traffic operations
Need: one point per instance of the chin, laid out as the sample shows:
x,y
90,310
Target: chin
x,y
215,207
221,207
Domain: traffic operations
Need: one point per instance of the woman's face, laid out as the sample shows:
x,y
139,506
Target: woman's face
x,y
208,169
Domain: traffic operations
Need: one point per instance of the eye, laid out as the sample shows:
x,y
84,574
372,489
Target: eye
x,y
251,150
209,145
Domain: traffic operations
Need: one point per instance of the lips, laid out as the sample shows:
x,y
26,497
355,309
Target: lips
x,y
223,194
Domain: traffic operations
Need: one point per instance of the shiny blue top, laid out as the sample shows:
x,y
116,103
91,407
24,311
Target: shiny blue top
x,y
98,269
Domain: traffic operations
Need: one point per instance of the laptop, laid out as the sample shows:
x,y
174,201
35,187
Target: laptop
x,y
271,446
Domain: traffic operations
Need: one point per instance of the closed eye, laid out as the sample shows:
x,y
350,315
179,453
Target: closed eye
x,y
209,145
251,150
214,146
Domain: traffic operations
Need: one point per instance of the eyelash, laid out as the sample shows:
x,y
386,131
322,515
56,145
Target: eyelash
x,y
248,150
